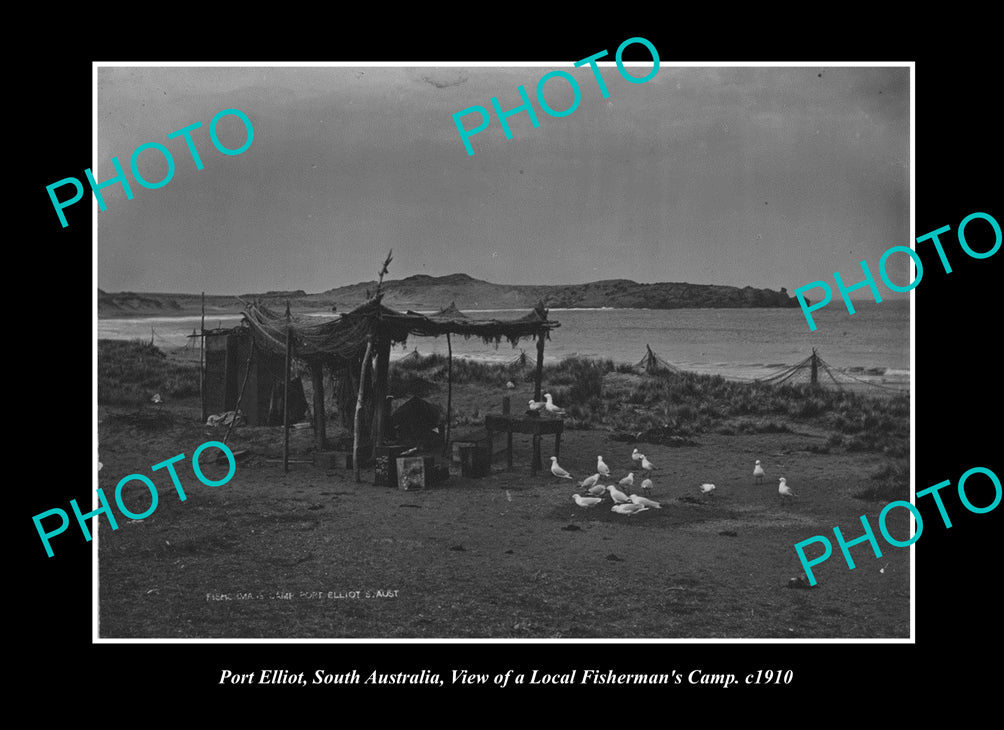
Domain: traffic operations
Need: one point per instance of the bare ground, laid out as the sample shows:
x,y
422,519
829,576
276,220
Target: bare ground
x,y
313,554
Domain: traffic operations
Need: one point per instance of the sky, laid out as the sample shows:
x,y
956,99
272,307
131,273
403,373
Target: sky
x,y
763,176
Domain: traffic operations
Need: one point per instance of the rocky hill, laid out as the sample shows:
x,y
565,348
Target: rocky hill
x,y
423,292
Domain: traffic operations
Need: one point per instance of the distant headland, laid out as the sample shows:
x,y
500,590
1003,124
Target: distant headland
x,y
423,292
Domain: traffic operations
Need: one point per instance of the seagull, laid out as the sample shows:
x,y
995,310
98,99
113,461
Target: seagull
x,y
646,464
617,495
628,509
586,501
628,480
645,502
557,470
510,385
637,455
551,408
784,490
646,486
758,472
601,467
707,488
597,489
589,481
536,405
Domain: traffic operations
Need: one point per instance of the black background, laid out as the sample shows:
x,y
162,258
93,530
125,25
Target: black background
x,y
958,157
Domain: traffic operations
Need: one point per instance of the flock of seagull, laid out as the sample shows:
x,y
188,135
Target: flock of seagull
x,y
624,503
630,504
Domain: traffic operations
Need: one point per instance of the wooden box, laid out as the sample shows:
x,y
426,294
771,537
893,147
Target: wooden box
x,y
415,472
385,467
475,461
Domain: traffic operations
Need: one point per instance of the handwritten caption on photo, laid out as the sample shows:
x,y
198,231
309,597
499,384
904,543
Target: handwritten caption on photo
x,y
105,508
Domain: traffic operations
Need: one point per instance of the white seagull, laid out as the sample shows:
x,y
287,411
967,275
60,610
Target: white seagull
x,y
557,470
589,481
758,472
646,486
536,405
617,495
628,509
628,480
601,467
637,455
510,385
586,501
551,408
784,490
646,464
645,502
707,488
597,489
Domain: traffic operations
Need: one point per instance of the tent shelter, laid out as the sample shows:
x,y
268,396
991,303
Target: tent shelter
x,y
351,340
231,376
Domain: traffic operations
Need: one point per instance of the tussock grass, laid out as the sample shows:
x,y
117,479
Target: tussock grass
x,y
130,372
688,403
890,483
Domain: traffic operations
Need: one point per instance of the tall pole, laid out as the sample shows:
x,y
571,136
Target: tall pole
x,y
202,368
359,408
380,387
449,390
285,396
539,375
536,396
240,396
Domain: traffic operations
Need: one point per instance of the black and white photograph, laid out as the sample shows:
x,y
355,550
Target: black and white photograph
x,y
591,405
593,368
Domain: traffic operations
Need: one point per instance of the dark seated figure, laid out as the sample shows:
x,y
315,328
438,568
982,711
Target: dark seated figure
x,y
417,422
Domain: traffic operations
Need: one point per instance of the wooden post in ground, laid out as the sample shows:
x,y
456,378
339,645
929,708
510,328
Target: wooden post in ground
x,y
202,368
380,402
285,395
240,395
815,368
449,390
359,408
538,377
539,374
317,380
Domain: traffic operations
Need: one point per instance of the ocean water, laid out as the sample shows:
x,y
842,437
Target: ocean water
x,y
873,344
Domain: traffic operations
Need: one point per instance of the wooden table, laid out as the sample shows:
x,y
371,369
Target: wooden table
x,y
525,424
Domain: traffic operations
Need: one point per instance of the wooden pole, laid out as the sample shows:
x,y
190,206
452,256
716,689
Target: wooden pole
x,y
538,377
285,395
814,371
202,368
247,372
380,387
449,390
359,408
317,378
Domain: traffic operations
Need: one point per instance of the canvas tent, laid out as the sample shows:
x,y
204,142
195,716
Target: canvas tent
x,y
349,341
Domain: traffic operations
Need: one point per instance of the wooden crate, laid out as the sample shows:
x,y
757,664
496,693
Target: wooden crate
x,y
385,467
475,461
415,472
